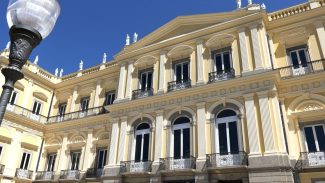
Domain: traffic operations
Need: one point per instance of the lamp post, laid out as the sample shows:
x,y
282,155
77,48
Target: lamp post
x,y
30,21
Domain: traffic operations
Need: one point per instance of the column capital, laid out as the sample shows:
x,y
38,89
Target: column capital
x,y
200,41
248,96
163,52
122,63
319,23
255,25
241,29
200,105
263,93
90,130
131,62
160,112
124,119
116,120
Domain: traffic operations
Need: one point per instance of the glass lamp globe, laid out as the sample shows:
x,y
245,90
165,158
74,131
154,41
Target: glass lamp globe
x,y
40,15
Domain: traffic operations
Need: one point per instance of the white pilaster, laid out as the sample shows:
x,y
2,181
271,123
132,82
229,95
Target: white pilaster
x,y
256,47
162,74
252,127
268,135
88,154
199,62
73,99
28,95
114,142
243,49
121,83
321,35
14,155
159,135
122,141
63,159
201,131
128,91
97,93
266,48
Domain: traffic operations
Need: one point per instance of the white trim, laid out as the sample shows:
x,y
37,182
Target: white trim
x,y
181,127
221,53
182,71
142,133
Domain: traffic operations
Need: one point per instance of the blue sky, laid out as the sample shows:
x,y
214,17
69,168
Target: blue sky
x,y
87,29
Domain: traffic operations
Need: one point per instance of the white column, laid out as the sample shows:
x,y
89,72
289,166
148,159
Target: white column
x,y
121,83
128,91
256,47
114,142
243,49
73,99
321,35
97,93
28,95
14,155
272,49
159,135
88,154
63,159
162,74
268,135
266,48
199,61
201,131
252,126
122,141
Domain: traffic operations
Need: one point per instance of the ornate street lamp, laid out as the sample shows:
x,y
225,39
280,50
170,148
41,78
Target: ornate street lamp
x,y
30,21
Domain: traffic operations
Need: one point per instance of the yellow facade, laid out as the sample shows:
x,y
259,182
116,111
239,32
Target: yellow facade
x,y
225,97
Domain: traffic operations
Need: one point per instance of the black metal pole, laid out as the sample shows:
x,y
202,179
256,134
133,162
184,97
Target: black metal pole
x,y
23,40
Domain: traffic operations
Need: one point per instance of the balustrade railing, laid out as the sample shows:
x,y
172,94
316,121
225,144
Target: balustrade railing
x,y
311,160
44,175
221,75
178,85
94,173
70,174
134,166
2,168
24,174
78,114
26,113
226,160
178,163
137,94
302,69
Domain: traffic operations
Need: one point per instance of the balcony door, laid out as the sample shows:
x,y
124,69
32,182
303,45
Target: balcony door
x,y
145,80
181,72
37,107
62,109
12,101
182,138
25,160
101,158
299,59
222,62
51,162
84,105
228,139
75,160
315,144
142,142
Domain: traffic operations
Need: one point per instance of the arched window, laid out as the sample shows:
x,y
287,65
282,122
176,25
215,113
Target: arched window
x,y
182,138
227,136
142,139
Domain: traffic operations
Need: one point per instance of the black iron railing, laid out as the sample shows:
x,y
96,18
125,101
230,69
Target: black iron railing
x,y
94,172
221,75
70,174
137,94
302,69
178,85
44,175
24,174
78,114
178,163
311,160
135,166
2,168
26,113
226,160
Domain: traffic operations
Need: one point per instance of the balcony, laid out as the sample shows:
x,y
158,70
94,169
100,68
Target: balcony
x,y
2,168
70,174
302,69
179,85
44,176
77,115
221,75
178,164
137,94
26,113
311,160
135,167
24,174
227,160
94,173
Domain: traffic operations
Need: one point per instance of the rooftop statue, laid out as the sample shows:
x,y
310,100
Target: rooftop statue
x,y
127,41
36,60
135,37
81,65
250,2
104,58
238,4
56,71
8,46
61,72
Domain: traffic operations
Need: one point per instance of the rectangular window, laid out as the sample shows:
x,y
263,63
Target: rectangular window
x,y
84,104
181,71
299,56
37,108
75,160
25,159
51,162
145,80
13,98
315,136
109,98
222,61
101,158
62,108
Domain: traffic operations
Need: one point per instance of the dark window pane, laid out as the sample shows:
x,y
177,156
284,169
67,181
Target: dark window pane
x,y
223,138
303,58
218,63
22,161
294,59
105,158
178,72
310,139
226,61
53,163
13,98
49,163
181,120
149,83
100,159
112,98
77,161
138,148
185,72
143,81
34,107
145,147
177,144
186,143
27,161
143,126
233,135
108,99
226,113
320,137
38,109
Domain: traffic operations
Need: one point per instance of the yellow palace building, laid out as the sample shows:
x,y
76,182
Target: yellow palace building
x,y
231,97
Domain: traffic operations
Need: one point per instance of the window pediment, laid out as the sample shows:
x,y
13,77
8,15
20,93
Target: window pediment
x,y
145,61
180,52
